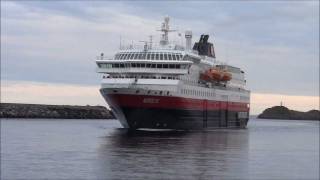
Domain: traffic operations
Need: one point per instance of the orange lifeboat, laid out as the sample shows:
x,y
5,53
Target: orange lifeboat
x,y
215,74
205,77
226,76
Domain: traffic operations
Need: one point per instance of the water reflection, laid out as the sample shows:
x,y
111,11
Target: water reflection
x,y
175,154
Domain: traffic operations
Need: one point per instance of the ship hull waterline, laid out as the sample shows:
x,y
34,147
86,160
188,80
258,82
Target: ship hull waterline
x,y
167,112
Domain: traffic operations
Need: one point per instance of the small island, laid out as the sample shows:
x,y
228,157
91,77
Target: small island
x,y
282,112
14,110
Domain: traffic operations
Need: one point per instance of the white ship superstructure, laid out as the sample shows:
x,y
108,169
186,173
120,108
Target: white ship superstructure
x,y
174,87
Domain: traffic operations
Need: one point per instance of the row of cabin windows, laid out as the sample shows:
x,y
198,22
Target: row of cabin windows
x,y
149,56
203,93
142,65
141,77
197,93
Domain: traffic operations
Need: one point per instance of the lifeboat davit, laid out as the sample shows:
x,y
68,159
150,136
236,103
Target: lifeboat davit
x,y
216,74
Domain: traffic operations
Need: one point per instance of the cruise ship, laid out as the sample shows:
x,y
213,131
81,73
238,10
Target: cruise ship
x,y
173,86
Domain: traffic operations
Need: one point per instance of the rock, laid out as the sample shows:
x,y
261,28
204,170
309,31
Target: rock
x,y
13,110
281,112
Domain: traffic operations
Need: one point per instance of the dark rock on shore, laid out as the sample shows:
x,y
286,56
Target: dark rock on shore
x,y
13,110
281,112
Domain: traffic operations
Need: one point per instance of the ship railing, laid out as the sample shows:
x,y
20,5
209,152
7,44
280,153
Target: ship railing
x,y
173,45
104,58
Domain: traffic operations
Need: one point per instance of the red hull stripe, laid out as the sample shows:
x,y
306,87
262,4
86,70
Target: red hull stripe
x,y
175,103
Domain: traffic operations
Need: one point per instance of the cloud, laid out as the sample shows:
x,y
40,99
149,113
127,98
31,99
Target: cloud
x,y
64,44
277,44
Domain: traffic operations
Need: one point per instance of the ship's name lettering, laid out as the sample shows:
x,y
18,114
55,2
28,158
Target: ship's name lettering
x,y
151,100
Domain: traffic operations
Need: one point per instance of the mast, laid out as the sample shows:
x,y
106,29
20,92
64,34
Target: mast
x,y
165,29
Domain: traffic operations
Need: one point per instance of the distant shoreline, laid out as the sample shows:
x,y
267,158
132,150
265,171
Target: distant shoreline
x,y
42,111
283,113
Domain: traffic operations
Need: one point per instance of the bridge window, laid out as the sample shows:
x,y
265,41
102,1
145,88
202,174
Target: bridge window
x,y
165,65
165,56
121,55
140,56
148,56
124,55
174,57
136,56
157,56
127,56
131,56
161,56
170,56
177,57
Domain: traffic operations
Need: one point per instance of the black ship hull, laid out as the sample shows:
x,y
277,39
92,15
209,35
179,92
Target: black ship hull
x,y
181,119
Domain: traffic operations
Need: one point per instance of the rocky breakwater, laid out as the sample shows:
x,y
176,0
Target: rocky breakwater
x,y
281,112
12,110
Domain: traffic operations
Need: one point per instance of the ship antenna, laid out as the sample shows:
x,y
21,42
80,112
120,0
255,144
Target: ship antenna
x,y
181,39
150,46
120,43
165,29
145,47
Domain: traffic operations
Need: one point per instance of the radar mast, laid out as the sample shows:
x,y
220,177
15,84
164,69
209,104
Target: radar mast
x,y
165,29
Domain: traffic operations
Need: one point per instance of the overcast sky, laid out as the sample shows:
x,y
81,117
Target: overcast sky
x,y
52,42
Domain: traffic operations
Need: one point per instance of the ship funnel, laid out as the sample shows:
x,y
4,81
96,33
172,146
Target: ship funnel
x,y
188,36
204,47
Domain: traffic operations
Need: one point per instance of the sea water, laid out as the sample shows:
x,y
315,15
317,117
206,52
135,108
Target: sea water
x,y
101,149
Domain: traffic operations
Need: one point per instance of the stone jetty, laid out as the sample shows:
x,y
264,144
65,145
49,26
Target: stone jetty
x,y
13,110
